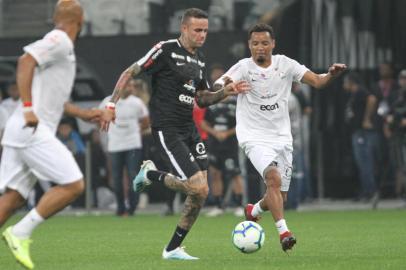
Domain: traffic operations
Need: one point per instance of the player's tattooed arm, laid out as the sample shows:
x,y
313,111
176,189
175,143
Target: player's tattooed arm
x,y
206,98
122,82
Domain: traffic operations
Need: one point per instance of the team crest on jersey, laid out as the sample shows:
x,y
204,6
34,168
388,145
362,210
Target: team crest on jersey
x,y
200,148
190,86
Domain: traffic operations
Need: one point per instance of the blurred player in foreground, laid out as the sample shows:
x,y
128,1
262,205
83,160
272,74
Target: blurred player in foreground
x,y
45,75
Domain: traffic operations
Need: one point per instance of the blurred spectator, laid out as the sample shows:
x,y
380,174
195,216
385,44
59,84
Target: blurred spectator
x,y
385,92
70,137
151,152
295,115
360,112
396,124
99,165
10,103
139,89
305,109
125,145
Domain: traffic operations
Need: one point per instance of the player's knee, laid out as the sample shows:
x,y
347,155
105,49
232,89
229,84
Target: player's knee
x,y
200,191
78,187
273,178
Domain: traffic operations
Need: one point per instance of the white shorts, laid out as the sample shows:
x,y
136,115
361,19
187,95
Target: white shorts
x,y
263,154
50,160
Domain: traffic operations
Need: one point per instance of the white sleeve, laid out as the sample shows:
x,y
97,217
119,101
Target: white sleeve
x,y
143,110
52,47
235,73
297,70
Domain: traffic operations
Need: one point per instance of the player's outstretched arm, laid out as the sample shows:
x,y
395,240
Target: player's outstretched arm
x,y
206,98
25,73
91,115
321,80
109,114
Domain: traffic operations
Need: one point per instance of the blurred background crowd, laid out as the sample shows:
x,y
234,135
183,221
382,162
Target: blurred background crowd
x,y
349,139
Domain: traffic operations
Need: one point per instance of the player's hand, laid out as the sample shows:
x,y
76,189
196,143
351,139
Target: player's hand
x,y
227,80
336,69
107,116
31,120
93,115
235,88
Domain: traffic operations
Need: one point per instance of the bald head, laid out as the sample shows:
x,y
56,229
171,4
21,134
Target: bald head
x,y
68,11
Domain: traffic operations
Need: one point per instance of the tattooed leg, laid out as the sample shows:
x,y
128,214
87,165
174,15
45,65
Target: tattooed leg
x,y
196,189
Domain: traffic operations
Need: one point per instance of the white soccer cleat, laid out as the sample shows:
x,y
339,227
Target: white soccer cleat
x,y
215,212
239,212
178,253
141,181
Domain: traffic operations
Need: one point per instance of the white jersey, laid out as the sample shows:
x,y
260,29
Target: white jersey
x,y
125,133
263,113
51,88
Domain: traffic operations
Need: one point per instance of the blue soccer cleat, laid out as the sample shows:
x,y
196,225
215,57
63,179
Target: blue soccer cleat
x,y
141,181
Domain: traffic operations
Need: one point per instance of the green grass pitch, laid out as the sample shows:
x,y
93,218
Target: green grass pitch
x,y
326,240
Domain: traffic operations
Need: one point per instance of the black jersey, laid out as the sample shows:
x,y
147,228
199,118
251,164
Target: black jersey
x,y
176,76
221,117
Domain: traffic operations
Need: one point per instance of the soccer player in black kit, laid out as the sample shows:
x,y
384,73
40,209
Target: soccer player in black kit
x,y
178,72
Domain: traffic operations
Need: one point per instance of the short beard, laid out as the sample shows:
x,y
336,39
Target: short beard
x,y
261,59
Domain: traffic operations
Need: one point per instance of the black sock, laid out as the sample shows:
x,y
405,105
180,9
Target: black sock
x,y
238,199
156,175
177,238
218,200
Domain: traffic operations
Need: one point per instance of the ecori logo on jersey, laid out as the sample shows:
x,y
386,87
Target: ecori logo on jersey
x,y
269,107
186,99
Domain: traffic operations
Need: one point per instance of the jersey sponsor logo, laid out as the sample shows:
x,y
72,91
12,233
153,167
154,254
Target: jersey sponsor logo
x,y
180,64
186,99
177,56
269,107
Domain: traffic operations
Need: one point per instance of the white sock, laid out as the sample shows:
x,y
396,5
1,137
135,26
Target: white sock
x,y
257,210
281,226
24,228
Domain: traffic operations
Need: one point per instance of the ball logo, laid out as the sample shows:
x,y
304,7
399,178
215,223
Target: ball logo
x,y
269,107
186,99
200,148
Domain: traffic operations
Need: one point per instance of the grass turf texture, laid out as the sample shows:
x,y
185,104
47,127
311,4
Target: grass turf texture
x,y
326,240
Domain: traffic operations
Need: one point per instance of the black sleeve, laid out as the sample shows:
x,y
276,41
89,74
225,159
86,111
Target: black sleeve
x,y
153,60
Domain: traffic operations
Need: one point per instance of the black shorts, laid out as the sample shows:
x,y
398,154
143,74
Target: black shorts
x,y
184,149
225,161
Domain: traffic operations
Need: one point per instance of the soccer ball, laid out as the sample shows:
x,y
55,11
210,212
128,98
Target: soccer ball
x,y
248,236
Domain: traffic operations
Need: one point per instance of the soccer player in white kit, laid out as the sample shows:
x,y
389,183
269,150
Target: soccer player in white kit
x,y
45,75
263,125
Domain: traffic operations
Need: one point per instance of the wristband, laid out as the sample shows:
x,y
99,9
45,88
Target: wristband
x,y
111,106
27,109
27,104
